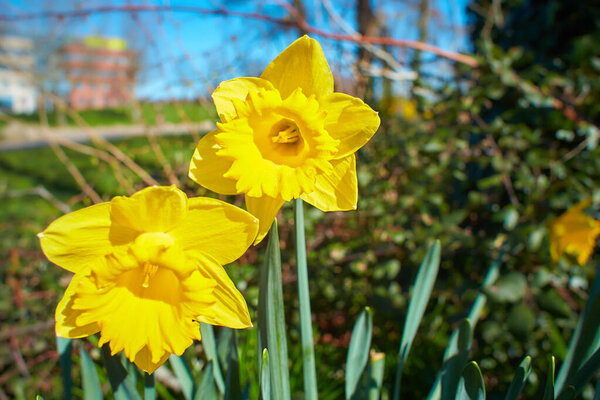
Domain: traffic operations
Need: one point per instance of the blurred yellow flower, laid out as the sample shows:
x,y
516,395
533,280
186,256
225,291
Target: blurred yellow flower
x,y
409,109
148,269
574,233
285,135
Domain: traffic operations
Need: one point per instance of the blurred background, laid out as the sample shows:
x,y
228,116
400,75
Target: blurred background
x,y
490,113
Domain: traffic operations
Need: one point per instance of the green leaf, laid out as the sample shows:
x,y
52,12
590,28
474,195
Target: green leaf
x,y
89,377
306,330
585,339
549,389
421,293
458,354
65,349
121,385
518,382
265,376
271,318
149,387
521,321
183,374
476,309
550,300
471,386
584,374
207,389
358,351
210,349
597,391
233,389
568,393
510,288
224,347
376,371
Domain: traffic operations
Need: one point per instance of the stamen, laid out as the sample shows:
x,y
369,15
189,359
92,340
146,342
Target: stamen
x,y
149,271
288,135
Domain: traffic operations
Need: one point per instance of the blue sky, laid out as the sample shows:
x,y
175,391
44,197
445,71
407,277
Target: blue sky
x,y
186,55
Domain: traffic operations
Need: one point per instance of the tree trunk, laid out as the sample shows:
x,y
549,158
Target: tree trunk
x,y
416,64
367,26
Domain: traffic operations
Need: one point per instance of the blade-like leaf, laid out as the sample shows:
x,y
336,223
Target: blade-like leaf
x,y
597,391
376,370
149,388
421,293
89,377
584,374
224,347
585,339
210,349
568,393
458,355
265,376
122,387
471,386
207,389
306,332
358,351
65,349
476,308
518,382
549,389
233,389
183,374
271,318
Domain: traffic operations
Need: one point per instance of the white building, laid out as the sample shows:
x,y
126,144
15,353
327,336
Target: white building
x,y
17,91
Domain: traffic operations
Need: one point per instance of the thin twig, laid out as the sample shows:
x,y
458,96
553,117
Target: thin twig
x,y
75,173
43,193
139,8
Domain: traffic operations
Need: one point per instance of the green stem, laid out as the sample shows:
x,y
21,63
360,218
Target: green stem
x,y
306,333
149,389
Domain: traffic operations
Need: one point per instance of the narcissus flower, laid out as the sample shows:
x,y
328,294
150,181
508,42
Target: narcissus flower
x,y
148,269
285,135
574,233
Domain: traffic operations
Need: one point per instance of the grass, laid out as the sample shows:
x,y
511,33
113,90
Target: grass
x,y
172,113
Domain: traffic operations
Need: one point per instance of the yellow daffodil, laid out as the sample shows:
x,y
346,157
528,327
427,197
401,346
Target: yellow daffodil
x,y
574,233
148,269
285,135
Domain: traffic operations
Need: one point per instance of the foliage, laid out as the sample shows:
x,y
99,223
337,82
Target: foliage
x,y
508,148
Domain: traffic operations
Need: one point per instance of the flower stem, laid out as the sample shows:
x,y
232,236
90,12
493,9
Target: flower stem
x,y
306,333
149,388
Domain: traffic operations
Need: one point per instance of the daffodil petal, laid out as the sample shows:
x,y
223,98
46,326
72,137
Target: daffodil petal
x,y
153,209
66,316
301,65
265,209
338,190
75,240
216,229
207,168
349,120
237,88
230,308
574,233
143,359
